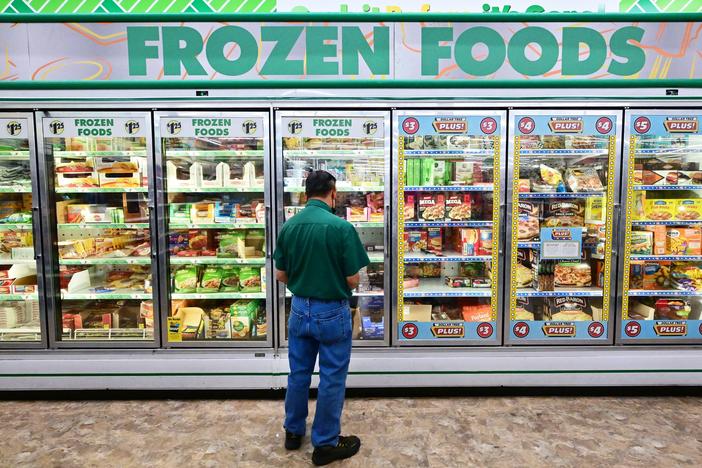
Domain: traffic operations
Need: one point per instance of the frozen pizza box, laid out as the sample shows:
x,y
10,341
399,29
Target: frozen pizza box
x,y
432,207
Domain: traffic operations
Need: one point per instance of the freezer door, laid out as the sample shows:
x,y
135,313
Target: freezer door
x,y
661,269
213,202
563,190
449,195
355,147
99,226
21,294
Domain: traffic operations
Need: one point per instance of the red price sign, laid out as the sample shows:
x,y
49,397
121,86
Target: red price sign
x,y
595,329
485,330
520,329
632,329
488,125
604,125
526,125
410,125
410,330
642,125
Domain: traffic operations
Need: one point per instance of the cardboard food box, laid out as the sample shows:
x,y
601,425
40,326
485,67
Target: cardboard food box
x,y
432,207
689,209
357,214
435,241
655,275
660,209
73,180
659,177
119,180
458,206
417,313
684,241
659,239
417,241
642,243
181,176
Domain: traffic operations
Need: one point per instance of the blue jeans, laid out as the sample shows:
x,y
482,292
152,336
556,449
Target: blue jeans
x,y
324,328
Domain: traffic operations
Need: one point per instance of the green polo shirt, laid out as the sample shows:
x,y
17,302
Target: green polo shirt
x,y
318,250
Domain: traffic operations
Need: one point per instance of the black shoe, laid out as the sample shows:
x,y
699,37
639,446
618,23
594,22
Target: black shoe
x,y
292,441
347,447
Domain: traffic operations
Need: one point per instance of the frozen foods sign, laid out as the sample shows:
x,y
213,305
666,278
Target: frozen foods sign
x,y
324,127
345,51
201,127
93,127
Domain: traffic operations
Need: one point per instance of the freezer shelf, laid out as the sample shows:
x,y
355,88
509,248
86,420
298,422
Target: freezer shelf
x,y
447,256
216,261
437,288
106,261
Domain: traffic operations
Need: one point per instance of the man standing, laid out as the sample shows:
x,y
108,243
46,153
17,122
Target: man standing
x,y
318,256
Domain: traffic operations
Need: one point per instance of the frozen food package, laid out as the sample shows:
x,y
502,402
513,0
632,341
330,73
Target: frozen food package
x,y
689,209
550,180
566,213
684,241
525,309
432,207
458,207
250,279
554,141
660,209
211,279
570,309
410,208
375,202
528,220
656,275
573,274
528,142
642,243
416,241
185,279
672,309
686,276
583,179
435,241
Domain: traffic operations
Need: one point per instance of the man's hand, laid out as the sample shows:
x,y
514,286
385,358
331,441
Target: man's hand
x,y
282,276
353,281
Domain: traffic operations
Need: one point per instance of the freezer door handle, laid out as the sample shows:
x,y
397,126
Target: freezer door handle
x,y
388,232
616,237
503,232
267,229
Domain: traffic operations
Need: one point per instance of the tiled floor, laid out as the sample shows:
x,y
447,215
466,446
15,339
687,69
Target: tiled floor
x,y
403,432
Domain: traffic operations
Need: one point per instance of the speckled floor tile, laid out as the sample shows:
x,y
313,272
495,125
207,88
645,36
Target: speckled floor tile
x,y
407,432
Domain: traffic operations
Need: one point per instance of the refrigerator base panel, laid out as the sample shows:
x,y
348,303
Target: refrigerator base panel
x,y
439,367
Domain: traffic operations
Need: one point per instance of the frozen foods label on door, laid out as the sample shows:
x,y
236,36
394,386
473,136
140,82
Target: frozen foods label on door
x,y
13,128
67,127
211,127
333,127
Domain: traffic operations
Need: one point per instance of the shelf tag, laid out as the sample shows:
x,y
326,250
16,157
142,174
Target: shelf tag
x,y
561,243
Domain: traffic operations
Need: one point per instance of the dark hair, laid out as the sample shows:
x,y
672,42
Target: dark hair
x,y
319,184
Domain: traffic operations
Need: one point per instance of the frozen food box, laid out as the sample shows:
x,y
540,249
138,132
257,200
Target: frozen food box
x,y
439,173
689,209
417,313
427,174
410,208
416,241
202,212
660,209
659,239
684,241
357,214
458,206
655,275
636,275
594,209
432,207
376,206
435,241
659,177
642,243
463,173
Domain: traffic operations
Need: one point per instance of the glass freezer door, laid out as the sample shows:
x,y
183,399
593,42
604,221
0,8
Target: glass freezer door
x,y
662,262
213,191
100,218
449,192
563,187
20,317
355,147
